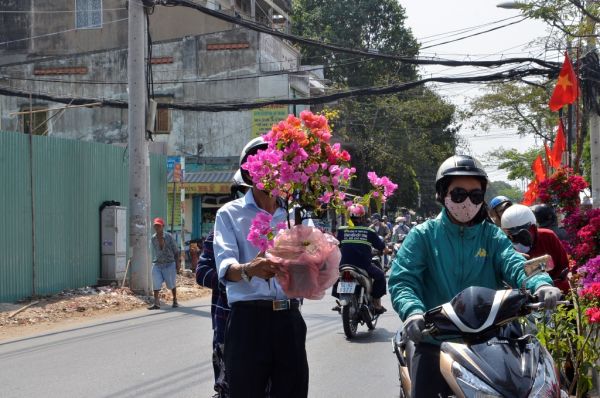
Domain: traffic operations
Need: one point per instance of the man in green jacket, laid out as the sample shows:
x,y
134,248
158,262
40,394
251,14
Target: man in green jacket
x,y
441,257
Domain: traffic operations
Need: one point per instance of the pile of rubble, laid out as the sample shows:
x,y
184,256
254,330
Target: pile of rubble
x,y
89,301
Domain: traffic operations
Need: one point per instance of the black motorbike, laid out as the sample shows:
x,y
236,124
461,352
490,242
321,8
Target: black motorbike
x,y
485,351
354,288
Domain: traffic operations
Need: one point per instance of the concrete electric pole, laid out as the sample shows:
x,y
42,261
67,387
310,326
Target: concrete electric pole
x,y
595,155
139,160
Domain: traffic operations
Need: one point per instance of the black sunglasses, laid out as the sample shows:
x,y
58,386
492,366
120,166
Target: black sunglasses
x,y
459,195
517,230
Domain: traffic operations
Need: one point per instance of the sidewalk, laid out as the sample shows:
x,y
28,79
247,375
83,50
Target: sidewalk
x,y
85,302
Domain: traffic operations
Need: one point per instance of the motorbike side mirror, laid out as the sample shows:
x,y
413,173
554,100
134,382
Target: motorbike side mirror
x,y
534,267
537,265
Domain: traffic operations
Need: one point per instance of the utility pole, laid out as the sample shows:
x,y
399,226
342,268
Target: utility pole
x,y
594,124
139,160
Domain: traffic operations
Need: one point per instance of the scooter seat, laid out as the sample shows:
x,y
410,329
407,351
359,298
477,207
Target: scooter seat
x,y
350,267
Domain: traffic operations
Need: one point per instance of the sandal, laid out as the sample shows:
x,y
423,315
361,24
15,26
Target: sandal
x,y
154,307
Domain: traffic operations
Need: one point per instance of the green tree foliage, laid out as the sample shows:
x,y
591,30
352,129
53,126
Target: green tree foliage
x,y
497,188
369,24
515,105
404,136
518,164
574,18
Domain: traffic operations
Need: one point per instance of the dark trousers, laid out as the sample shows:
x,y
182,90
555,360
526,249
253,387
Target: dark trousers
x,y
219,370
378,281
262,345
426,379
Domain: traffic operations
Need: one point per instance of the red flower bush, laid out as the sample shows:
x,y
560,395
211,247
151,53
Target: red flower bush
x,y
593,315
590,297
562,190
584,231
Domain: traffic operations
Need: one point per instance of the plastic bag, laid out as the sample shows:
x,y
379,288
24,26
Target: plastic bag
x,y
309,261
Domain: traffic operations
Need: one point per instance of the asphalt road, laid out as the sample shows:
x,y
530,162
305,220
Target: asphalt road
x,y
167,353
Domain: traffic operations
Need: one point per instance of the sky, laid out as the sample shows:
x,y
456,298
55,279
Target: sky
x,y
440,17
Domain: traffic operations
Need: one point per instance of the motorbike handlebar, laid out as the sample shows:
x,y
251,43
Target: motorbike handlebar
x,y
540,305
428,331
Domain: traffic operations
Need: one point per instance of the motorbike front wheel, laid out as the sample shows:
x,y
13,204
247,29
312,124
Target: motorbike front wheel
x,y
350,318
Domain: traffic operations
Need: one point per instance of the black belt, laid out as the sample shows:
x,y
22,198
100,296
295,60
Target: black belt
x,y
275,305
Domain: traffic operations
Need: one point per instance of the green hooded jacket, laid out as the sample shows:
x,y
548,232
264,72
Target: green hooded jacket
x,y
439,259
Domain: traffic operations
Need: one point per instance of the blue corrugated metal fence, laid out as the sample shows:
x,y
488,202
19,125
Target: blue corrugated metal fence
x,y
51,193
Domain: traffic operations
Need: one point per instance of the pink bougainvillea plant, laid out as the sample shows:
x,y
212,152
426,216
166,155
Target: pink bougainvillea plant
x,y
302,167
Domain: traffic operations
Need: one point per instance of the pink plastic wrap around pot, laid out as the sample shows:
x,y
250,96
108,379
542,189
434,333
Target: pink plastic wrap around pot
x,y
309,261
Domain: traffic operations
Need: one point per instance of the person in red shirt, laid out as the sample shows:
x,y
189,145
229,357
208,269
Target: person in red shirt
x,y
519,223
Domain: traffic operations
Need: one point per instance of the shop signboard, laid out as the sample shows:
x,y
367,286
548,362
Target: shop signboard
x,y
264,118
192,188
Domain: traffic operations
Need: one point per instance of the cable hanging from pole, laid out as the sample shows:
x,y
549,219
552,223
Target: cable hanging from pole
x,y
511,74
373,54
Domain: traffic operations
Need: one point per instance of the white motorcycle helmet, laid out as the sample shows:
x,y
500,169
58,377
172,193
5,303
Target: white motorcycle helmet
x,y
517,217
251,148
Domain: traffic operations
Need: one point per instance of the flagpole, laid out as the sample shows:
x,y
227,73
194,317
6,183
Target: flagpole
x,y
569,134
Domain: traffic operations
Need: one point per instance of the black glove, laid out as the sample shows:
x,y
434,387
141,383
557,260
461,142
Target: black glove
x,y
413,326
549,295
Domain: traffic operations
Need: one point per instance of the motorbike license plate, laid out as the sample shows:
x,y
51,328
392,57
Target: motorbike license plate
x,y
346,287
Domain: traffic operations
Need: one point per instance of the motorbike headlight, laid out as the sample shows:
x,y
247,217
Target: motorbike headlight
x,y
545,384
471,385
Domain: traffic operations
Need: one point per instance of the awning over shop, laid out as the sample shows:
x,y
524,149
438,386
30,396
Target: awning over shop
x,y
205,182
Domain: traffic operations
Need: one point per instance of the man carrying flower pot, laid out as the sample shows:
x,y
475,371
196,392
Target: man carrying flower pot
x,y
458,249
266,334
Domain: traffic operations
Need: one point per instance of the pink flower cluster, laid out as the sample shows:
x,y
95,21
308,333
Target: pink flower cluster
x,y
384,187
584,230
300,165
593,314
261,233
591,298
590,272
592,292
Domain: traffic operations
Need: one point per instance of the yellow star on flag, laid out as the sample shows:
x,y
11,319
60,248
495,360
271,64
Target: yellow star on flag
x,y
564,81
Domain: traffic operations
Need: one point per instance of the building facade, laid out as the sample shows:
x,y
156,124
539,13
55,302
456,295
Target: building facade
x,y
220,64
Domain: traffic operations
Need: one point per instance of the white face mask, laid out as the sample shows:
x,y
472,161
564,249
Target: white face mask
x,y
521,248
462,212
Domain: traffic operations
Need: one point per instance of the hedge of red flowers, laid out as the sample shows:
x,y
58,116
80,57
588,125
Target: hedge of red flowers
x,y
583,228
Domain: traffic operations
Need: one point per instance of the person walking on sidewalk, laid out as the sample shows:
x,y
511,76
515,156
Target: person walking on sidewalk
x,y
165,266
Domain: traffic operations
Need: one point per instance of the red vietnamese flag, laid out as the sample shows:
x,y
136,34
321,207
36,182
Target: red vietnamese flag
x,y
558,147
539,174
549,156
567,87
538,168
531,194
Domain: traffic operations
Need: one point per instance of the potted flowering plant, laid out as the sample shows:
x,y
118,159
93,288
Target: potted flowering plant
x,y
307,172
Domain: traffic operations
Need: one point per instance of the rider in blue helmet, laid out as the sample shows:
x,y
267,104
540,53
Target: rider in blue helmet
x,y
497,206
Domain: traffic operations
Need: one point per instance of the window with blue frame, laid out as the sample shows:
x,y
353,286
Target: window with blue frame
x,y
88,14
